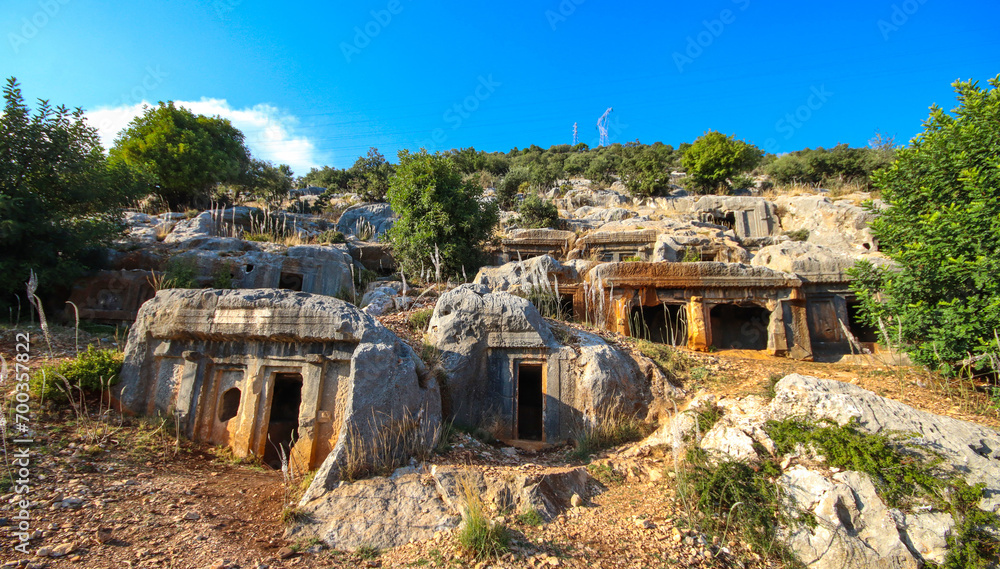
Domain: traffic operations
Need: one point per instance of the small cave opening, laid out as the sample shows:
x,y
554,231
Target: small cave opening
x,y
663,324
739,327
861,330
290,281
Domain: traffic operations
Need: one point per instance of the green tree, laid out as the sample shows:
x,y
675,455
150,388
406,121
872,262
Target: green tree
x,y
436,208
509,186
371,176
645,170
265,181
536,213
61,199
715,160
186,154
942,228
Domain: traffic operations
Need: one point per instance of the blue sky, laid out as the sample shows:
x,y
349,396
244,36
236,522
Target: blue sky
x,y
316,83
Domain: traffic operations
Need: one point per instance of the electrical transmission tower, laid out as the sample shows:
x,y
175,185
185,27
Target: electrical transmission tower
x,y
602,127
576,139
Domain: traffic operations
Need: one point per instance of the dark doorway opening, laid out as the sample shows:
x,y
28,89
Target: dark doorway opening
x,y
664,324
566,306
283,424
737,327
529,402
290,281
862,331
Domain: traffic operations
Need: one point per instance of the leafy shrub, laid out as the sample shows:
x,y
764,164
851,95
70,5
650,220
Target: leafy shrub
x,y
181,272
798,235
531,518
714,160
835,167
509,186
331,236
897,476
536,213
943,193
93,370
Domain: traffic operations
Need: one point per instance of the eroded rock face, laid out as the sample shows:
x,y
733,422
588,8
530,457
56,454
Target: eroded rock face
x,y
811,261
835,224
489,342
414,503
321,369
522,276
359,219
855,527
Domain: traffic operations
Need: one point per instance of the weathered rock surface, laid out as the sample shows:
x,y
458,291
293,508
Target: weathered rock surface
x,y
856,529
485,337
812,261
835,224
415,503
522,276
379,216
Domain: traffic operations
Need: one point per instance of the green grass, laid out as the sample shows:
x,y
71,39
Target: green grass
x,y
368,552
732,499
605,474
531,518
674,363
420,319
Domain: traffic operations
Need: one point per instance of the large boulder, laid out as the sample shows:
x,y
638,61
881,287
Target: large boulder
x,y
377,218
835,224
488,341
415,503
223,361
542,272
812,261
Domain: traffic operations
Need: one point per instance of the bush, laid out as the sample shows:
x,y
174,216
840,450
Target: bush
x,y
835,167
437,209
509,186
536,213
943,193
714,160
92,371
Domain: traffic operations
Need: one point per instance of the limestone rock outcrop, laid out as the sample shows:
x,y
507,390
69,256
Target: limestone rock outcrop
x,y
415,503
855,528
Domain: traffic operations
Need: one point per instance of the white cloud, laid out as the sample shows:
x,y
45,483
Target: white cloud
x,y
270,133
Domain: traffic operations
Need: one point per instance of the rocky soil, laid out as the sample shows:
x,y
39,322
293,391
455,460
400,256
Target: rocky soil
x,y
131,496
